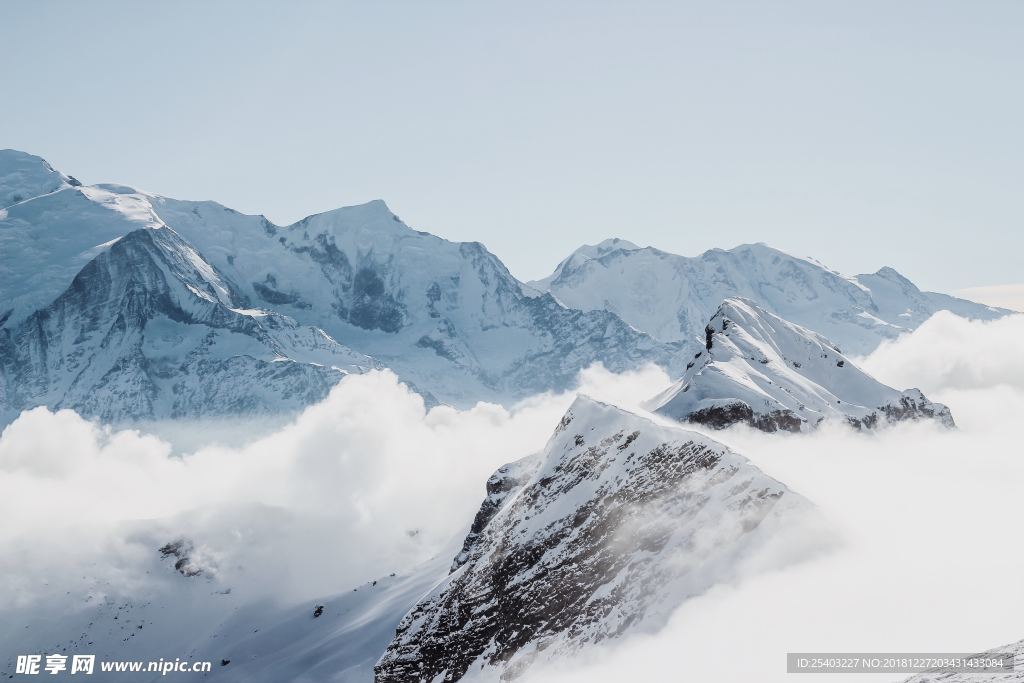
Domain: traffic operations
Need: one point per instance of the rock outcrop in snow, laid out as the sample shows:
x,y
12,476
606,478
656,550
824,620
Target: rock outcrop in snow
x,y
671,297
604,532
761,370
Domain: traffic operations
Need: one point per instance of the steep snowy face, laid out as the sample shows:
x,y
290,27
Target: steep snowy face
x,y
24,176
604,532
671,297
149,329
47,240
761,370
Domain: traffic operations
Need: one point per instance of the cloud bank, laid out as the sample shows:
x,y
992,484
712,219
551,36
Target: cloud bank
x,y
924,520
366,482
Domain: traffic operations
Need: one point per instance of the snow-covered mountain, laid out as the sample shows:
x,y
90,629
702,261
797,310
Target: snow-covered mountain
x,y
671,297
761,370
603,533
148,329
343,286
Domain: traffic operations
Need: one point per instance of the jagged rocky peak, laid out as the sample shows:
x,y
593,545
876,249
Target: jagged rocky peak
x,y
603,533
766,372
24,176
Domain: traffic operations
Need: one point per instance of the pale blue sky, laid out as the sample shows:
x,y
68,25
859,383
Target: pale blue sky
x,y
862,133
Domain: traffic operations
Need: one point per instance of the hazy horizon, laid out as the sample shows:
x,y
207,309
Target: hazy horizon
x,y
862,136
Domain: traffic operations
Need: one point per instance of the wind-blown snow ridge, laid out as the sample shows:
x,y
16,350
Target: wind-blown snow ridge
x,y
603,533
769,373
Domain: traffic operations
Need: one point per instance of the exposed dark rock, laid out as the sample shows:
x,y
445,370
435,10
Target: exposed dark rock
x,y
182,551
720,417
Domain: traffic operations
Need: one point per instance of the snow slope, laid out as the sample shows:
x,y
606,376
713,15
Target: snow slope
x,y
670,297
199,612
603,533
772,374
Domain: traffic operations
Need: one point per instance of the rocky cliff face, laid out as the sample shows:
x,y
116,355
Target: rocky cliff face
x,y
766,372
606,531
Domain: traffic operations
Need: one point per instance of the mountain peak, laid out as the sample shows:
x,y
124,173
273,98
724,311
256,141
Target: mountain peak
x,y
24,176
581,255
586,252
893,275
771,374
571,546
372,217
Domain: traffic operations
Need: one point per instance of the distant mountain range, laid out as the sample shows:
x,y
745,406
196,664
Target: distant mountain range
x,y
671,297
126,305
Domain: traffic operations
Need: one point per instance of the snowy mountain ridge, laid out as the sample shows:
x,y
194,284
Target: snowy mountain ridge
x,y
761,370
447,317
670,297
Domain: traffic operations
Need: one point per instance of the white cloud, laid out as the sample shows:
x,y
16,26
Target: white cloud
x,y
365,483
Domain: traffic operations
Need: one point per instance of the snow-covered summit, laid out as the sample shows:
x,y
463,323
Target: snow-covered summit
x,y
605,532
671,297
759,369
579,256
23,176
